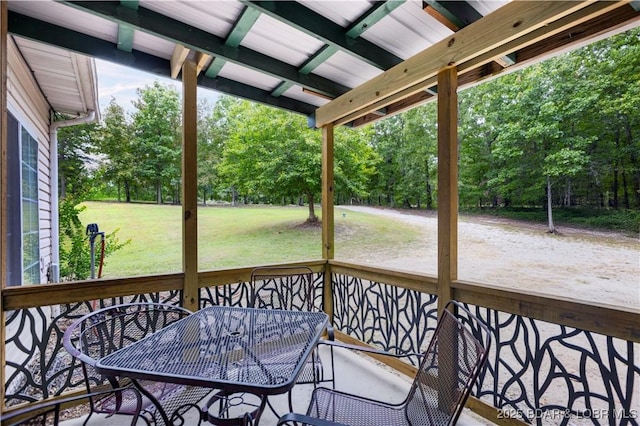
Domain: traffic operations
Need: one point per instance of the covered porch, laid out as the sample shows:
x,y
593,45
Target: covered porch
x,y
552,356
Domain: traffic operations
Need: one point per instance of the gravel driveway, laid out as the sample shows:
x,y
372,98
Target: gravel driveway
x,y
601,267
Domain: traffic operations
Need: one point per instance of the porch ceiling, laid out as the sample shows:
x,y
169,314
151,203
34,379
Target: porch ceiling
x,y
300,55
67,80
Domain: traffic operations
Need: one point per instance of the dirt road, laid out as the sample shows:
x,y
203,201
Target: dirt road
x,y
583,265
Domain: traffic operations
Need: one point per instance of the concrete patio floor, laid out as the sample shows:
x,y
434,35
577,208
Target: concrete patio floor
x,y
354,373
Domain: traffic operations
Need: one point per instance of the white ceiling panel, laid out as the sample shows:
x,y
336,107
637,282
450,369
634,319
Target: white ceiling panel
x,y
296,92
248,76
215,17
342,13
153,45
68,17
346,70
276,39
413,30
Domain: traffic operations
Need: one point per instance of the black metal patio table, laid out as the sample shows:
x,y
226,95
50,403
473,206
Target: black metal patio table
x,y
233,349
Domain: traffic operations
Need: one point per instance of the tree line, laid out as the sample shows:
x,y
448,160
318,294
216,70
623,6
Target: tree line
x,y
561,133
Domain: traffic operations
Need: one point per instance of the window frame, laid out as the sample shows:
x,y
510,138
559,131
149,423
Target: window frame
x,y
23,205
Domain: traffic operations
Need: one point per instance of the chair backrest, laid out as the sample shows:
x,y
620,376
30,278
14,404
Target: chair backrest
x,y
282,287
106,330
456,354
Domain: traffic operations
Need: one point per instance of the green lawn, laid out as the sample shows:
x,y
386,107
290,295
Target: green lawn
x,y
232,236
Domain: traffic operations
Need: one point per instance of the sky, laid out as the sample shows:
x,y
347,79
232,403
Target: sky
x,y
121,83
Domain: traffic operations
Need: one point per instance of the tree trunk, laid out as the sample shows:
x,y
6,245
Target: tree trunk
x,y
429,201
614,203
567,196
552,228
158,193
127,190
312,212
625,190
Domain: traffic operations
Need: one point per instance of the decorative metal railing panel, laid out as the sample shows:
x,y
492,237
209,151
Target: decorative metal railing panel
x,y
538,372
391,318
37,365
544,373
541,373
239,294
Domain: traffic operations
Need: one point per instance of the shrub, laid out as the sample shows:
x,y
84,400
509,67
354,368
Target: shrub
x,y
75,249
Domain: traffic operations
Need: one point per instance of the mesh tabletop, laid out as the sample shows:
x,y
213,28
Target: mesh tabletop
x,y
237,349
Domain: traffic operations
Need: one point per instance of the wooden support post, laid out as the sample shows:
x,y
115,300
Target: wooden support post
x,y
3,185
447,183
447,223
191,299
328,222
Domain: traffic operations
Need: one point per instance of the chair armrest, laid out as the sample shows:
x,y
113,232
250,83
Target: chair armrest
x,y
366,349
302,419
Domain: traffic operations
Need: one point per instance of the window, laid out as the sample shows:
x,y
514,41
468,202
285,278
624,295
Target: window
x,y
23,257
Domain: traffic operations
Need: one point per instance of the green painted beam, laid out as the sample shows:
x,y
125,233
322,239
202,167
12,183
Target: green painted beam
x,y
54,35
310,64
366,21
193,38
304,19
372,17
459,13
240,29
215,67
131,4
243,25
281,88
318,58
125,37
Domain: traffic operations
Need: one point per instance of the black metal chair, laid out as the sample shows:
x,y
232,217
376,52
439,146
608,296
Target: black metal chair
x,y
291,288
272,287
106,330
452,362
48,412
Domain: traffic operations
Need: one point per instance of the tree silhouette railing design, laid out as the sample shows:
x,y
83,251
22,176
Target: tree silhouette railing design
x,y
538,372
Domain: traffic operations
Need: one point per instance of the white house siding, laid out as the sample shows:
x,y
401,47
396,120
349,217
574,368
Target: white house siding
x,y
29,106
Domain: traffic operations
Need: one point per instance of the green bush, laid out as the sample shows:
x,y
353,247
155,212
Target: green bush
x,y
75,248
